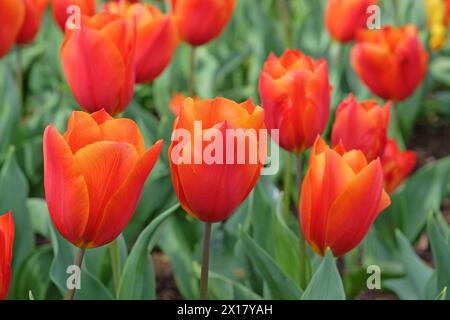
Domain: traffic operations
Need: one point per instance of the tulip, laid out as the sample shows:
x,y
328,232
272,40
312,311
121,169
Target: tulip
x,y
34,10
343,18
6,250
98,62
211,191
12,15
156,38
438,19
361,126
200,21
341,197
87,8
397,165
94,175
295,95
391,61
177,100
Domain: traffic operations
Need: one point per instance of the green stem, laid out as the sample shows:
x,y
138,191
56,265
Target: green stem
x,y
205,262
78,262
19,77
114,250
285,18
287,187
396,13
192,71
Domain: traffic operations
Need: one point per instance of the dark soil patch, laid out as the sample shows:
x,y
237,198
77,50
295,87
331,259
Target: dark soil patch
x,y
166,288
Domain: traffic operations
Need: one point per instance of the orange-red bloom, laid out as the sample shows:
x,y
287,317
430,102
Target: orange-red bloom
x,y
361,126
177,100
341,197
295,95
6,250
397,165
212,190
156,38
87,8
34,10
391,62
94,175
98,61
12,15
200,21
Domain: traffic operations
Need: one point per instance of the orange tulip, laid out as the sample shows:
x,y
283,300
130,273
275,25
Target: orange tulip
x,y
156,38
341,197
176,102
391,62
212,190
397,165
295,95
94,175
343,18
200,21
98,61
361,126
6,250
34,10
87,8
12,15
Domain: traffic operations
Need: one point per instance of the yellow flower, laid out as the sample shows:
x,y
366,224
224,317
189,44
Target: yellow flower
x,y
437,20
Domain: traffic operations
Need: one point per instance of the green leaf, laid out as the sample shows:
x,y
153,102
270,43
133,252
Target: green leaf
x,y
442,295
39,216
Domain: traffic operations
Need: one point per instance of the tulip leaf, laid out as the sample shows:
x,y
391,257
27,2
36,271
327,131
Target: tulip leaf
x,y
138,279
326,283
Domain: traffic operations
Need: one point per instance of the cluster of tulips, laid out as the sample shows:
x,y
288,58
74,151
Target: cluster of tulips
x,y
95,171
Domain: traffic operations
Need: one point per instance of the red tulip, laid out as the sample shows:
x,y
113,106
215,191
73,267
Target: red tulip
x,y
212,190
87,8
200,21
6,250
12,15
341,197
391,62
343,18
397,165
361,126
177,101
98,61
295,95
94,175
34,10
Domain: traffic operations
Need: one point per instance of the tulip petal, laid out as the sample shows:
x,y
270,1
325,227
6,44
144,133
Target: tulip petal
x,y
81,131
123,130
12,15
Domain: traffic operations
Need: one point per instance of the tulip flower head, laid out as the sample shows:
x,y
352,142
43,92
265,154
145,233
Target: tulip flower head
x,y
12,16
295,95
391,61
341,197
34,10
438,19
6,250
59,8
94,175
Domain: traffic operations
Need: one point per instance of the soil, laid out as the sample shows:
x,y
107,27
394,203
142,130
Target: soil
x,y
166,288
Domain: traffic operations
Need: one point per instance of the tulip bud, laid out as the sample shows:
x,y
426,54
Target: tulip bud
x,y
12,15
200,21
209,176
98,62
391,61
361,126
87,8
295,95
6,250
341,197
397,165
94,175
34,10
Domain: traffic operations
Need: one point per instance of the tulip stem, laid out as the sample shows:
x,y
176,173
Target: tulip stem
x,y
192,71
396,13
19,77
114,250
283,10
287,187
205,262
78,261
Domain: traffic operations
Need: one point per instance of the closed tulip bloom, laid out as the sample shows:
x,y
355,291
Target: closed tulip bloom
x,y
438,18
343,18
397,165
361,126
34,10
200,21
12,15
156,38
98,62
94,176
391,61
87,8
295,95
212,190
6,250
341,197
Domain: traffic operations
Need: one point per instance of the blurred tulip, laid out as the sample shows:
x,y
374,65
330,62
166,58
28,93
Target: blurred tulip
x,y
343,18
156,38
438,18
391,61
397,165
12,15
34,10
361,126
200,21
98,62
6,250
341,197
94,175
87,8
295,95
212,191
177,101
